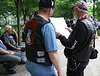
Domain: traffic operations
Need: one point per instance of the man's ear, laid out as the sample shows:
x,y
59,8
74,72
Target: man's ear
x,y
49,10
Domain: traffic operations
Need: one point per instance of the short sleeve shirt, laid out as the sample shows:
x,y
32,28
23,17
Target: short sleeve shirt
x,y
49,36
6,38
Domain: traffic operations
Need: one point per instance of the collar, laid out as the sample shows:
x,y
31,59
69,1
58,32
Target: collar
x,y
84,16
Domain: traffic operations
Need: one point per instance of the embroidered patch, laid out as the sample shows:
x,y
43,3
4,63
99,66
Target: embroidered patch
x,y
89,23
40,53
28,38
40,60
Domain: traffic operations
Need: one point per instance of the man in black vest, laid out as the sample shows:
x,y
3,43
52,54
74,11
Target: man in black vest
x,y
78,44
41,45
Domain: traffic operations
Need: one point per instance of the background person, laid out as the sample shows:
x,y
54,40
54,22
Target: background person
x,y
36,13
97,27
10,42
30,16
12,58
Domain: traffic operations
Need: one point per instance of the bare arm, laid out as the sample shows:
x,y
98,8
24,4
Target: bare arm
x,y
6,52
56,61
13,46
15,33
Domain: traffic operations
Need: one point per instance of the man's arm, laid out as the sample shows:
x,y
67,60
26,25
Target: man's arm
x,y
15,33
56,61
49,35
6,52
1,41
10,45
77,37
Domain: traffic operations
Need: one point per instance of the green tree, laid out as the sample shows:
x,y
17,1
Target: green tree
x,y
97,9
4,9
64,8
27,6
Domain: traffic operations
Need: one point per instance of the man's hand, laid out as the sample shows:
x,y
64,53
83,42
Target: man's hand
x,y
11,53
60,74
13,31
58,34
18,48
69,29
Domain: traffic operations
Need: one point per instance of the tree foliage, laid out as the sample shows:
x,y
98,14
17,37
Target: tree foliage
x,y
97,9
64,8
4,9
28,6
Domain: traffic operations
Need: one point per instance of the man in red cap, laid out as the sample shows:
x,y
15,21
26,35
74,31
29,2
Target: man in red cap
x,y
78,45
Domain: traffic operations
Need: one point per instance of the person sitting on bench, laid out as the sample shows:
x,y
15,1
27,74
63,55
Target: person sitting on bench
x,y
12,58
10,42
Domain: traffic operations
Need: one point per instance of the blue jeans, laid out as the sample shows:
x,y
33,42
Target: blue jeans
x,y
22,54
39,70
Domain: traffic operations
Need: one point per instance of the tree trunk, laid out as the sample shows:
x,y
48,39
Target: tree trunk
x,y
5,19
94,8
24,13
24,18
18,23
15,20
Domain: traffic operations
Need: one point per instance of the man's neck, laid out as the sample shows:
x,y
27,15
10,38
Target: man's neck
x,y
6,32
45,16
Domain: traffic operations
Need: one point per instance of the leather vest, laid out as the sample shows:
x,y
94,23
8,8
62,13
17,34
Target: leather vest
x,y
35,48
83,53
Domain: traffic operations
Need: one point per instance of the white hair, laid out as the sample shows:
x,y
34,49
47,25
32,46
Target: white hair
x,y
8,27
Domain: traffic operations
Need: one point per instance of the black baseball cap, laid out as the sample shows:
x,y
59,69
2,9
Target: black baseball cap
x,y
47,3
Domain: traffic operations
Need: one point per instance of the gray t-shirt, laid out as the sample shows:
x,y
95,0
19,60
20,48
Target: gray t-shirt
x,y
7,38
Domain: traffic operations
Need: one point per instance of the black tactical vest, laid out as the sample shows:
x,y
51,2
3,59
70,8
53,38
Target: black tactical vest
x,y
83,53
35,48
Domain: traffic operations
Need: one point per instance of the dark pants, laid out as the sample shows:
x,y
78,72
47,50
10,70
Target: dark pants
x,y
76,68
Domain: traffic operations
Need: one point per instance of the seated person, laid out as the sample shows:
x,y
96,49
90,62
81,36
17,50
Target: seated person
x,y
12,58
10,42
